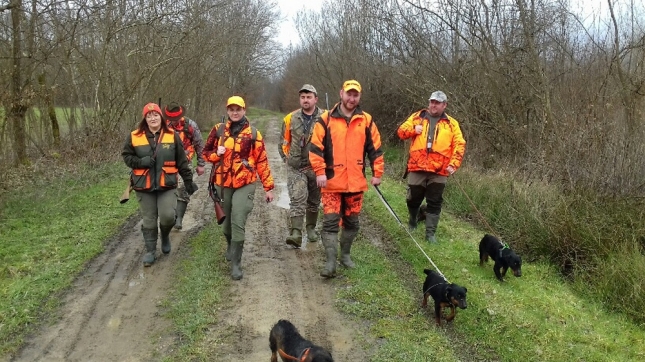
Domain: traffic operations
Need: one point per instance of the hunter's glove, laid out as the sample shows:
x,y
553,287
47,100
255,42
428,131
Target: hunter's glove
x,y
191,187
147,162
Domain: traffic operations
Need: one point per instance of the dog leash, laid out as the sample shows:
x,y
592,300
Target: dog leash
x,y
303,356
391,210
483,219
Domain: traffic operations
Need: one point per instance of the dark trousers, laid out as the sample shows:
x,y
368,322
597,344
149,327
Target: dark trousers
x,y
433,194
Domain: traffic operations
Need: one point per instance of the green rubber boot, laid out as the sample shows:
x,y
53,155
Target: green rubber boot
x,y
432,220
165,238
150,241
181,210
346,240
311,219
329,240
236,260
295,238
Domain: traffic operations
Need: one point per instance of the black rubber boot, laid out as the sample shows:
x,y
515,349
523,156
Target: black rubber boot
x,y
165,238
181,210
432,220
329,240
150,241
236,260
311,218
295,238
346,240
412,221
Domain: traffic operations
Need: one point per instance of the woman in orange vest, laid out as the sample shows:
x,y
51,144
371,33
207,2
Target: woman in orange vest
x,y
239,158
156,156
340,141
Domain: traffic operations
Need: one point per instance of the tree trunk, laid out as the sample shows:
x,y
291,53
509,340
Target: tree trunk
x,y
18,108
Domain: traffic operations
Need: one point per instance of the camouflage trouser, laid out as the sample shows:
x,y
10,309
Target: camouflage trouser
x,y
304,194
182,195
341,209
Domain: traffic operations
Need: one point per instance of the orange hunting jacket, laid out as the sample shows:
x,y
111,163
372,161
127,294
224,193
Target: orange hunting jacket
x,y
338,149
244,160
448,143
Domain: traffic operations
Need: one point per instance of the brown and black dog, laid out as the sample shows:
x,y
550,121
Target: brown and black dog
x,y
503,256
285,340
444,294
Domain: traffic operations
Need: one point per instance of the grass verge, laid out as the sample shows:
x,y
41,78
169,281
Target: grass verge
x,y
48,234
200,286
535,318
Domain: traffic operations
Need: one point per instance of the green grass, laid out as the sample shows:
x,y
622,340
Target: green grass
x,y
536,318
201,283
48,234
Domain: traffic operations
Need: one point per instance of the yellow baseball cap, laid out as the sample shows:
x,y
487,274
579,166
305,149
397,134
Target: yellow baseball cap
x,y
352,84
236,100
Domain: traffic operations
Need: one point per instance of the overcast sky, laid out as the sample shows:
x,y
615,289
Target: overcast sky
x,y
289,8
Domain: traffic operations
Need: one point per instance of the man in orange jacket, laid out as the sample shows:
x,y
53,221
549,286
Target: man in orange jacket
x,y
340,140
436,152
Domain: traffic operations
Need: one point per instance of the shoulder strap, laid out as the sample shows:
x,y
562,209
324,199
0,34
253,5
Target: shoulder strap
x,y
220,131
187,131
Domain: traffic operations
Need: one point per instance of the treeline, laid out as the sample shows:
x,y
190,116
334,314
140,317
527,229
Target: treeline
x,y
551,103
74,68
537,88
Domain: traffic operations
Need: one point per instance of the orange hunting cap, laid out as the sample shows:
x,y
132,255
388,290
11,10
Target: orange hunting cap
x,y
151,107
236,100
352,84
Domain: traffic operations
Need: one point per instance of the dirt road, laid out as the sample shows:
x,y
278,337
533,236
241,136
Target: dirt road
x,y
112,311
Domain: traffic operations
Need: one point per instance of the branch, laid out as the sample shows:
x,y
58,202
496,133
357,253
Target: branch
x,y
9,6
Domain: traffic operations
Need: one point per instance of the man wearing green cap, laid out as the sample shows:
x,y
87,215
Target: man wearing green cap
x,y
304,194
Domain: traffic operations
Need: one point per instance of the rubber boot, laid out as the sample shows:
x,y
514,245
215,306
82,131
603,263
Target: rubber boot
x,y
236,260
228,247
346,239
311,219
150,241
295,238
329,240
432,220
165,238
181,210
412,221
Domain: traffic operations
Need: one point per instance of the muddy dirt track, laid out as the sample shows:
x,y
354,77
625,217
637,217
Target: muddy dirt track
x,y
112,311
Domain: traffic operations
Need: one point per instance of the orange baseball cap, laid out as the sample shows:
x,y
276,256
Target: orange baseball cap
x,y
151,107
352,84
236,100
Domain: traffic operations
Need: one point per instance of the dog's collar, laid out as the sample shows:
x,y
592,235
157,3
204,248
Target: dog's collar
x,y
302,357
504,246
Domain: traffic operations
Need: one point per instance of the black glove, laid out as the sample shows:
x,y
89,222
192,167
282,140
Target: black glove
x,y
147,162
191,187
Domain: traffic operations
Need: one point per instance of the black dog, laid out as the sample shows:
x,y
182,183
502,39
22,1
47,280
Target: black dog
x,y
285,340
503,256
444,295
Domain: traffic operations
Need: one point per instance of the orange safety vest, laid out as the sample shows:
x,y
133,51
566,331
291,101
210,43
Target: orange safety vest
x,y
244,160
338,150
447,148
164,174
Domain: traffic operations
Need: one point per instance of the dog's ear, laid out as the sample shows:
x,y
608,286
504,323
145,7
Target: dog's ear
x,y
465,290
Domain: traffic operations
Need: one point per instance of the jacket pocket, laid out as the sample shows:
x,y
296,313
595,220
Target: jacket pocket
x,y
168,177
140,179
